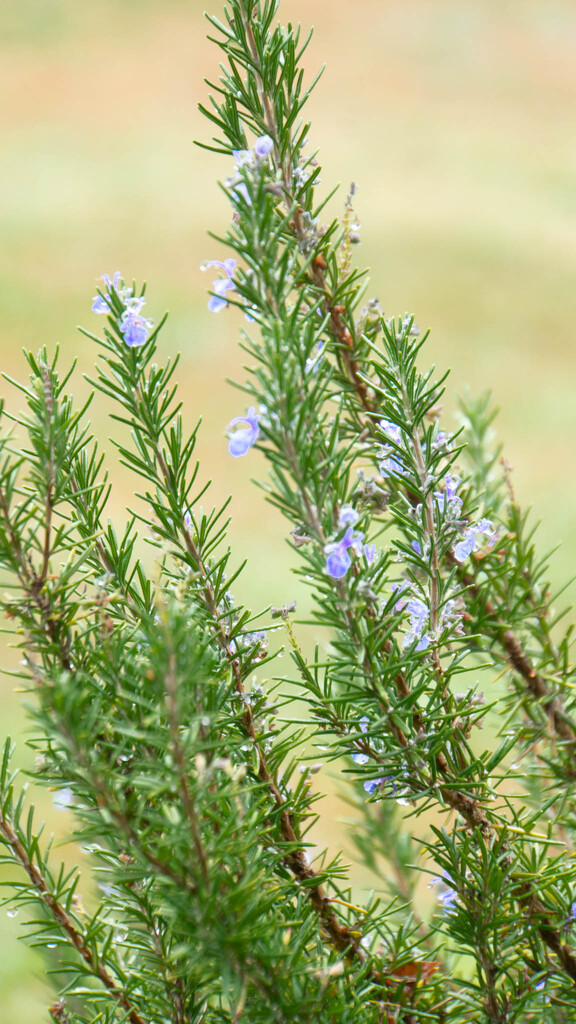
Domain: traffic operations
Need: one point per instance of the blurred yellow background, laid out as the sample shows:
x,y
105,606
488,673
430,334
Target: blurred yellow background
x,y
455,118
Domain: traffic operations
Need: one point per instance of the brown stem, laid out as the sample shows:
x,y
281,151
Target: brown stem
x,y
520,662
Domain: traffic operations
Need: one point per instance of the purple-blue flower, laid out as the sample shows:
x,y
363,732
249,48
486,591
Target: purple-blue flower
x,y
373,784
133,326
418,612
242,156
389,465
100,303
362,758
263,146
469,543
449,502
222,284
314,361
242,439
389,462
369,553
338,560
348,516
447,897
391,431
398,589
241,189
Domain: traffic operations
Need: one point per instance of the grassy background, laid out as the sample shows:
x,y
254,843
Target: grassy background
x,y
455,117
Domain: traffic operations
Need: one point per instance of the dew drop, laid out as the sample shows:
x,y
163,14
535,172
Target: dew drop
x,y
11,913
51,945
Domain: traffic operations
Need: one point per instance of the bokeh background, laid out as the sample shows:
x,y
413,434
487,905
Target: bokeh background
x,y
455,118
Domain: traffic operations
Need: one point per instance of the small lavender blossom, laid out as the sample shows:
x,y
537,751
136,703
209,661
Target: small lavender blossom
x,y
369,553
389,462
243,438
391,431
389,465
448,899
399,588
242,156
470,542
222,284
241,189
416,547
571,917
466,546
448,500
348,516
263,146
100,304
373,784
362,758
442,441
338,560
133,326
63,797
314,361
448,896
418,612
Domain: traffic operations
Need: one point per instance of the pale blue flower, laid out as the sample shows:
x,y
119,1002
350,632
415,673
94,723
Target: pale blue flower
x,y
389,465
369,553
449,502
399,588
100,304
63,797
242,439
391,431
373,784
448,899
133,326
338,560
314,361
222,284
484,529
348,516
448,896
418,612
241,189
263,146
242,156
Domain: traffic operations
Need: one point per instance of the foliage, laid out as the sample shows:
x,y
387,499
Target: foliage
x,y
190,780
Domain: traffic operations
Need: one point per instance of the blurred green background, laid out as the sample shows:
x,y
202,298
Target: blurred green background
x,y
455,118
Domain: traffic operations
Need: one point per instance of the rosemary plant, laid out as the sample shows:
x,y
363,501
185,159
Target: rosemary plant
x,y
190,777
